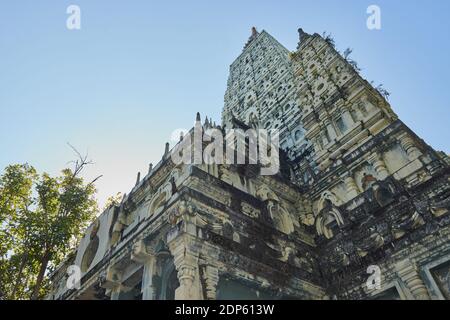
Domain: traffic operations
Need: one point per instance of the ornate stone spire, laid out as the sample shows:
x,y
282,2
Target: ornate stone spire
x,y
167,149
302,36
138,178
255,34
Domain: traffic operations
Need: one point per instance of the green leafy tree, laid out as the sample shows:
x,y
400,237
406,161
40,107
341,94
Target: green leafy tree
x,y
41,219
16,186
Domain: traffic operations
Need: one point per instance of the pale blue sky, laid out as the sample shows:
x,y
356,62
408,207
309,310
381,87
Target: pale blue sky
x,y
137,70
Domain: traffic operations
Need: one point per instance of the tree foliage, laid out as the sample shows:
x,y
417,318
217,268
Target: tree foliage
x,y
329,39
385,93
41,218
350,61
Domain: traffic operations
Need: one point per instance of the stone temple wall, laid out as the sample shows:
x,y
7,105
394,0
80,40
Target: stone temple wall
x,y
359,209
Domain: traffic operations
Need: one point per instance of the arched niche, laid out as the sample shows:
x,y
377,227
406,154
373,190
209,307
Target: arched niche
x,y
89,254
281,217
328,224
158,202
329,218
327,199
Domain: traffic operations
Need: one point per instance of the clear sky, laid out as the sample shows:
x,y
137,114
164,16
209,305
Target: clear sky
x,y
138,70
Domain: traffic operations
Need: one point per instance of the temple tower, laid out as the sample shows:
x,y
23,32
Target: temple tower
x,y
262,94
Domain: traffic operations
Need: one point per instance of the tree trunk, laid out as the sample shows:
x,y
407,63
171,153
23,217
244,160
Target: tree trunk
x,y
44,263
19,276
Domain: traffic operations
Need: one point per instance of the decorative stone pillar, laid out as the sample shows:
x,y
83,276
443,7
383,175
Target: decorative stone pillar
x,y
211,278
184,245
141,254
186,263
380,167
350,184
409,145
407,271
148,289
111,281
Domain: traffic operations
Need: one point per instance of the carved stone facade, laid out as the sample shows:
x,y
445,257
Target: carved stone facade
x,y
356,188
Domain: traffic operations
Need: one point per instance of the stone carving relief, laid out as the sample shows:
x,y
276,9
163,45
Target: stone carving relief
x,y
365,177
157,202
306,214
329,218
165,192
264,193
440,208
374,241
279,215
249,210
327,197
367,181
399,229
182,212
118,226
339,257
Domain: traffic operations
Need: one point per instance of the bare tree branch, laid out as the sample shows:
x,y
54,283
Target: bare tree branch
x,y
80,163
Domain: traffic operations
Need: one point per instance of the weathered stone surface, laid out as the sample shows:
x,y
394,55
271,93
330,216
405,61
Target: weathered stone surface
x,y
357,188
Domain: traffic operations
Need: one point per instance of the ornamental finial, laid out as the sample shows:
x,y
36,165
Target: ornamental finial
x,y
254,32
